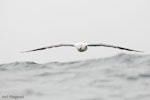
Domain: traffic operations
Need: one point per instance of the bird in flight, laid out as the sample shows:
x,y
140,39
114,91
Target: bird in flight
x,y
81,47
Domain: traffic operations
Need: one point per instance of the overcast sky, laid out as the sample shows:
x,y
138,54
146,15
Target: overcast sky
x,y
30,24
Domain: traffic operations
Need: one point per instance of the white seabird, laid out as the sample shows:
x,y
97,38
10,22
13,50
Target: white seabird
x,y
81,47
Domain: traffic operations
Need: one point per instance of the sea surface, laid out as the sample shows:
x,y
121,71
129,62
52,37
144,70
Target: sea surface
x,y
120,77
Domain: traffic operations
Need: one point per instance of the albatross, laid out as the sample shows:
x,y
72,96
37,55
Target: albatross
x,y
81,47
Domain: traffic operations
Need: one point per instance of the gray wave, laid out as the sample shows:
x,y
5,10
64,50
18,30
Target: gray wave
x,y
120,77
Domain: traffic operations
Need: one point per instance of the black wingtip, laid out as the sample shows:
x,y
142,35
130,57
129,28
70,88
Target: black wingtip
x,y
141,51
138,51
25,51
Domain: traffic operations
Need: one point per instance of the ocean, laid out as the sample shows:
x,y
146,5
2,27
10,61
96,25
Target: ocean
x,y
120,77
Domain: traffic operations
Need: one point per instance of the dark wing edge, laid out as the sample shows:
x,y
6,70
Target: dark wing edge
x,y
107,45
48,47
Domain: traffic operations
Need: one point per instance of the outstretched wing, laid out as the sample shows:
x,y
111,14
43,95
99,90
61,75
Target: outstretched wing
x,y
48,47
112,46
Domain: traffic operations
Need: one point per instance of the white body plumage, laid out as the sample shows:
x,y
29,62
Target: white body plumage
x,y
81,47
